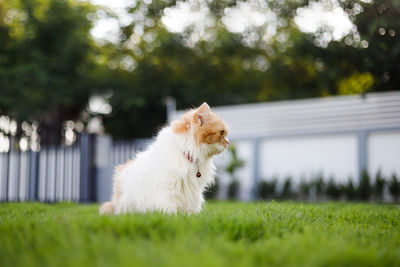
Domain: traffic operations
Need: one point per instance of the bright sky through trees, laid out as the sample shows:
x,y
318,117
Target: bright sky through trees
x,y
326,14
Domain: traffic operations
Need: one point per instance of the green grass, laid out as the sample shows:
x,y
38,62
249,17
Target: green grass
x,y
224,234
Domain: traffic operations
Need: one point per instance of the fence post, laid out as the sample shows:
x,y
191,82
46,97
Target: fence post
x,y
13,172
33,176
362,138
4,158
83,147
92,168
104,161
87,178
7,180
256,166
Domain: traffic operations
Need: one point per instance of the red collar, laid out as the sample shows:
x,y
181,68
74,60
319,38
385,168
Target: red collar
x,y
190,157
196,161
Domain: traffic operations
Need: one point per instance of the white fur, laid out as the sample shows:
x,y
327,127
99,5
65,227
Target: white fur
x,y
162,179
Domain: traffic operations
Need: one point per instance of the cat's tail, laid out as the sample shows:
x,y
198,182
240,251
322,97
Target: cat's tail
x,y
107,208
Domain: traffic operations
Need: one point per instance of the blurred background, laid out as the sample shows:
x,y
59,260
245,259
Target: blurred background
x,y
310,90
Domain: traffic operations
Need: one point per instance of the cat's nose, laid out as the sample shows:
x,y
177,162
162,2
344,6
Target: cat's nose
x,y
227,141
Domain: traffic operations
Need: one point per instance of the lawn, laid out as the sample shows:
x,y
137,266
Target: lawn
x,y
224,234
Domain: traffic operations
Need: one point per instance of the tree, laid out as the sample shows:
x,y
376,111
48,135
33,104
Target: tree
x,y
222,70
50,66
46,62
377,25
230,68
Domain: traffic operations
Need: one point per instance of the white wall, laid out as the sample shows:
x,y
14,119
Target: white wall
x,y
297,157
243,174
384,152
306,156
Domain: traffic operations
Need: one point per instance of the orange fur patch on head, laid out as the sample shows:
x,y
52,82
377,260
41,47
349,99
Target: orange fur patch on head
x,y
208,127
181,126
213,130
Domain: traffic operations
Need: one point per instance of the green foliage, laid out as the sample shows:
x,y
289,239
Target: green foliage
x,y
46,62
287,189
383,52
356,84
226,69
304,189
50,66
365,188
235,162
350,190
319,186
379,185
317,189
233,189
394,187
224,234
267,189
333,190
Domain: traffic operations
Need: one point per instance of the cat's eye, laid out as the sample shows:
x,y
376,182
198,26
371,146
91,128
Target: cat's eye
x,y
222,132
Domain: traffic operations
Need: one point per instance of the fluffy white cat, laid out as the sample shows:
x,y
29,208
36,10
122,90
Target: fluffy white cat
x,y
171,175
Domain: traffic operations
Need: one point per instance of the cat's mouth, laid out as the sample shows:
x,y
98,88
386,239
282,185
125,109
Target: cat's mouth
x,y
218,148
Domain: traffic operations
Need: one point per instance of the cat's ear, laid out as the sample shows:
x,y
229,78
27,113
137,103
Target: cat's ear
x,y
204,108
201,113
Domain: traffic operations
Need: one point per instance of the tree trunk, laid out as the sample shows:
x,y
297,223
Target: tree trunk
x,y
51,126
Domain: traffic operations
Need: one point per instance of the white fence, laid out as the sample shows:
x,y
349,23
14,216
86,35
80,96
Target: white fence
x,y
55,173
81,172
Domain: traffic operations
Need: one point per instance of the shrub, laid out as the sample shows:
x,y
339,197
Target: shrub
x,y
319,186
235,162
379,185
350,190
287,189
304,189
364,188
233,165
266,189
332,189
233,189
394,187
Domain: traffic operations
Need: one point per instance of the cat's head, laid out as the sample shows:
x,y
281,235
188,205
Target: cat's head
x,y
207,129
